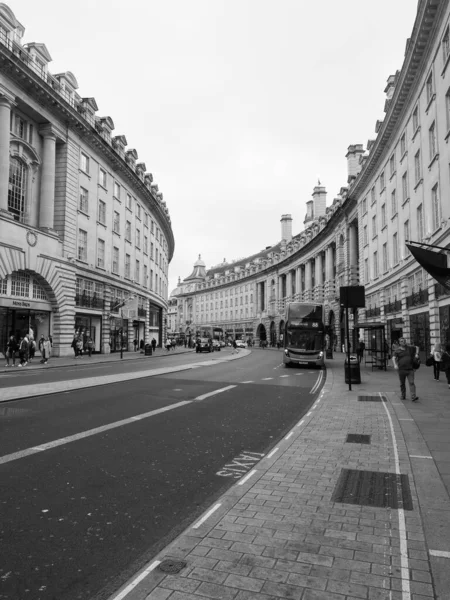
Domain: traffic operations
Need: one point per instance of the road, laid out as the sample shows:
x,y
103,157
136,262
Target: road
x,y
128,466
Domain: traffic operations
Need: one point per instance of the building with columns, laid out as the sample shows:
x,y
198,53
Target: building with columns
x,y
85,234
398,189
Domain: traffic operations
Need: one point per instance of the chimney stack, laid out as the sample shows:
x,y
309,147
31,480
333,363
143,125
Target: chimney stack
x,y
286,228
353,165
319,200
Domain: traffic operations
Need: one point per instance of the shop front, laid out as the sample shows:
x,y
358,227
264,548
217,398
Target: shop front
x,y
444,324
118,334
89,326
395,330
24,317
139,334
420,332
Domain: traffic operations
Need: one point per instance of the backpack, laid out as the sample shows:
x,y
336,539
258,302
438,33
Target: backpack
x,y
24,346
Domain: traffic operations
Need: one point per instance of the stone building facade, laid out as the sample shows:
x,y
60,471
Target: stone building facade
x,y
398,189
86,237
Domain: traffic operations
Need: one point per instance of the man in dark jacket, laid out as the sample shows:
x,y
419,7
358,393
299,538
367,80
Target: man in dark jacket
x,y
403,363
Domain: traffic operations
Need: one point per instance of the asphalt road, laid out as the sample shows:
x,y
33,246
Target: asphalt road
x,y
144,459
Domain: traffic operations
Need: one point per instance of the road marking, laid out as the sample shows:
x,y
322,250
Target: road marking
x,y
404,562
299,373
266,378
272,453
317,384
246,381
284,376
289,435
418,456
440,553
240,464
208,514
137,580
406,419
247,477
219,391
85,434
300,423
177,390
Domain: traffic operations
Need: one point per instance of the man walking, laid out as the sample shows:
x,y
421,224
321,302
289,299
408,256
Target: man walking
x,y
403,363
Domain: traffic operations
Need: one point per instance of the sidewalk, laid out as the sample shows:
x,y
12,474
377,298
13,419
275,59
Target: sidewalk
x,y
315,520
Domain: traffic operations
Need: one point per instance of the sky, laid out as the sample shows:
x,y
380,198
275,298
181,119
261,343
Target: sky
x,y
237,107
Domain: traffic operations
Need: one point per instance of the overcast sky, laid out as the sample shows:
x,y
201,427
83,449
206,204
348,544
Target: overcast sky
x,y
237,107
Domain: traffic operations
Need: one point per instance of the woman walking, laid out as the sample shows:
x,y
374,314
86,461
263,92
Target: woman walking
x,y
445,358
436,352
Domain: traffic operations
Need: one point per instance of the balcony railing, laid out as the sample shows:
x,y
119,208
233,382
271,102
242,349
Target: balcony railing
x,y
392,307
373,312
89,301
417,298
441,290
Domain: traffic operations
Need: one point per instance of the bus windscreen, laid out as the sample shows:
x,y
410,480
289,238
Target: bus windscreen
x,y
307,312
304,340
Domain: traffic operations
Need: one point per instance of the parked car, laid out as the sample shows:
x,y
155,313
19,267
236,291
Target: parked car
x,y
216,345
222,343
241,344
203,345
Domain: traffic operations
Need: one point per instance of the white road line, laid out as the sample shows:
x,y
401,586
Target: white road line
x,y
406,419
272,453
85,434
289,435
404,562
317,384
208,514
419,456
440,553
266,378
137,580
299,373
219,391
247,477
246,381
300,423
284,376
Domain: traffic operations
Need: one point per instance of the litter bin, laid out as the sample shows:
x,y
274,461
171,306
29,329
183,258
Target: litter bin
x,y
147,350
352,370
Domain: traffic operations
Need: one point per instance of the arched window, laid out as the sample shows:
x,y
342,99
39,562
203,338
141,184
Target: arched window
x,y
17,189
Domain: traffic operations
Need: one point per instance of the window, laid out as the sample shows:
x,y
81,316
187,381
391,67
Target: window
x,y
366,270
145,244
116,222
137,273
446,46
116,192
156,256
101,212
146,219
447,108
84,200
145,276
128,231
415,119
152,229
382,182
406,234
375,264
151,250
365,236
417,167
383,216
102,177
436,207
82,245
20,284
392,165
129,202
17,189
429,88
151,279
84,162
432,141
405,186
420,224
395,248
403,145
374,226
385,258
127,266
138,211
101,253
157,233
115,260
393,203
138,238
372,195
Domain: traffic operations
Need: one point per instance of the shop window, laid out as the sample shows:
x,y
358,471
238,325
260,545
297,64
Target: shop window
x,y
20,284
17,189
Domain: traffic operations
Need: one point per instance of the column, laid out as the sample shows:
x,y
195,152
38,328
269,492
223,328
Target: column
x,y
319,278
289,294
308,280
297,283
353,255
6,103
47,199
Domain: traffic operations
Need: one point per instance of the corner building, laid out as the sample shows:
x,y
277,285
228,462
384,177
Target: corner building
x,y
398,189
85,234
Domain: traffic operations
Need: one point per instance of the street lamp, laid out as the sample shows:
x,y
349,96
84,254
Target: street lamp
x,y
115,307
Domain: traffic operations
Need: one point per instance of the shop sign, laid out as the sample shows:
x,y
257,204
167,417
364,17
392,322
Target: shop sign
x,y
25,303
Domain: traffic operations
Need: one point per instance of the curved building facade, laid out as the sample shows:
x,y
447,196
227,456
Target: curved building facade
x,y
398,189
86,237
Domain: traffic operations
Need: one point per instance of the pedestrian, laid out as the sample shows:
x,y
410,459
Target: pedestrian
x,y
403,363
135,343
79,347
31,349
74,345
40,345
23,351
153,344
10,351
141,345
360,351
174,343
445,363
90,345
235,348
46,349
436,353
168,345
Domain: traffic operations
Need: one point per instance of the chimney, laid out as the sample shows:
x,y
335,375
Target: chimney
x,y
309,212
353,165
286,228
319,200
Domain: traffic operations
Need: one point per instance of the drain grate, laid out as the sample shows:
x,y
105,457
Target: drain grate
x,y
358,438
371,488
171,566
371,399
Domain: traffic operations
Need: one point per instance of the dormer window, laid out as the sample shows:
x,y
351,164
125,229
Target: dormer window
x,y
21,128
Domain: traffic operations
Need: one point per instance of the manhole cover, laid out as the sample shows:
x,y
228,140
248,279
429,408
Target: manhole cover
x,y
371,399
171,566
371,488
358,438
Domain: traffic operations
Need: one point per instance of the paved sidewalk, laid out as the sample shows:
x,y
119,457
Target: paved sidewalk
x,y
294,527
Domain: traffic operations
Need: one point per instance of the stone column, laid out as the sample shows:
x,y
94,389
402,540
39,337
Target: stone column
x,y
6,103
353,255
47,199
297,283
319,278
308,280
289,294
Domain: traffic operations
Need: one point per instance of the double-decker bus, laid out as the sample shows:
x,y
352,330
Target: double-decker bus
x,y
304,334
211,332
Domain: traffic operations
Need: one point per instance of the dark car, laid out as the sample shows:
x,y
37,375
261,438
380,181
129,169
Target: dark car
x,y
203,345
